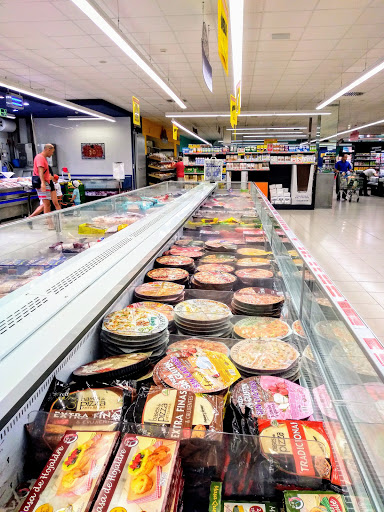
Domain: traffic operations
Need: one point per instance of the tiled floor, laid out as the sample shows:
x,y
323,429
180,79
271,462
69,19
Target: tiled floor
x,y
348,242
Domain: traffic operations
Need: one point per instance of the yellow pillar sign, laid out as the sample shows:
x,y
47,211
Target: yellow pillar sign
x,y
136,111
233,111
238,98
222,33
175,132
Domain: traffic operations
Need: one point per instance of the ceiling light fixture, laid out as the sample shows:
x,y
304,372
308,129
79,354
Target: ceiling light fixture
x,y
236,17
258,134
100,19
26,104
352,85
52,99
75,118
351,130
266,129
244,114
189,132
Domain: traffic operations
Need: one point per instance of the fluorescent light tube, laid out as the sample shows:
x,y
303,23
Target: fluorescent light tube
x,y
100,19
352,85
351,130
247,136
190,133
52,99
74,118
244,114
266,129
236,16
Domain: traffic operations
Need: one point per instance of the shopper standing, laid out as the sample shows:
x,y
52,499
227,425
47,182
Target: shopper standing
x,y
365,175
41,170
341,167
76,193
58,190
180,169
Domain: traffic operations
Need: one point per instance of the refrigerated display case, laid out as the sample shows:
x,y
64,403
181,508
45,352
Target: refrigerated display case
x,y
337,359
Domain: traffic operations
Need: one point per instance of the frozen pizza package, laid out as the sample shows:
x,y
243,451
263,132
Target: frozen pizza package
x,y
244,506
142,476
175,413
76,407
73,473
299,453
311,501
268,397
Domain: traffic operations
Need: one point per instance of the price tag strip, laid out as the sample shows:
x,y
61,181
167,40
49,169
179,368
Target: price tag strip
x,y
367,340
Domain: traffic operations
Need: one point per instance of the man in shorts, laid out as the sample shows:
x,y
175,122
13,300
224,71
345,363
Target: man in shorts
x,y
41,169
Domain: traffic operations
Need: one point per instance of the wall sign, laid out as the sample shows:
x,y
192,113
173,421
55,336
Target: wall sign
x,y
136,111
222,33
13,100
93,151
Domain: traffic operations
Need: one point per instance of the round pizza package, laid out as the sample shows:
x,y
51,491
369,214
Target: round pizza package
x,y
218,258
193,344
160,290
113,367
264,355
253,262
204,371
269,397
165,309
168,274
261,327
136,322
175,261
252,252
298,329
214,267
202,310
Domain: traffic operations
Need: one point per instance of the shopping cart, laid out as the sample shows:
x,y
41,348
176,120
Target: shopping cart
x,y
350,187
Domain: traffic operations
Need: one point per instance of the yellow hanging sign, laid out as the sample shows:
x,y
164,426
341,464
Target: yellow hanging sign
x,y
222,33
238,98
233,111
175,132
136,111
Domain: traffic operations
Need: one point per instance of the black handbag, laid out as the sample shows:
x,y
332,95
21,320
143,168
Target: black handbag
x,y
36,182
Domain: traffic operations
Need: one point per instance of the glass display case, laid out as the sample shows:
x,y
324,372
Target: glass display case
x,y
246,289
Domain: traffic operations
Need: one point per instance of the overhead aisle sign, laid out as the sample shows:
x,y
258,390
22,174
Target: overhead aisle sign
x,y
238,98
233,111
175,132
136,111
222,33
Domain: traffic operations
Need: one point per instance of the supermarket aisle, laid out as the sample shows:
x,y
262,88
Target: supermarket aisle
x,y
348,242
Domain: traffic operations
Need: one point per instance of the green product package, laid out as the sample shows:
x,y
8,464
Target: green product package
x,y
314,501
244,506
215,497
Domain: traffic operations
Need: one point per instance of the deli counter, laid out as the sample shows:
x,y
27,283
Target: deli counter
x,y
232,314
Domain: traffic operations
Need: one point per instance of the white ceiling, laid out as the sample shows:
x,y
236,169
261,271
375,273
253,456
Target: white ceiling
x,y
52,45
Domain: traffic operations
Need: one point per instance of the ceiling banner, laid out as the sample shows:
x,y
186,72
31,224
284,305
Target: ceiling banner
x,y
175,132
207,68
222,33
238,98
136,111
233,111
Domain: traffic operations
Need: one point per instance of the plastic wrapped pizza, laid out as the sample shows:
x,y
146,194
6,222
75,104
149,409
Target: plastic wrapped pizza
x,y
215,267
218,258
255,276
162,291
261,327
183,262
264,356
176,275
257,301
246,252
213,280
253,262
220,246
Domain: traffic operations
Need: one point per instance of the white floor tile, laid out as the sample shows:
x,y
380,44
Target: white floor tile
x,y
348,242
